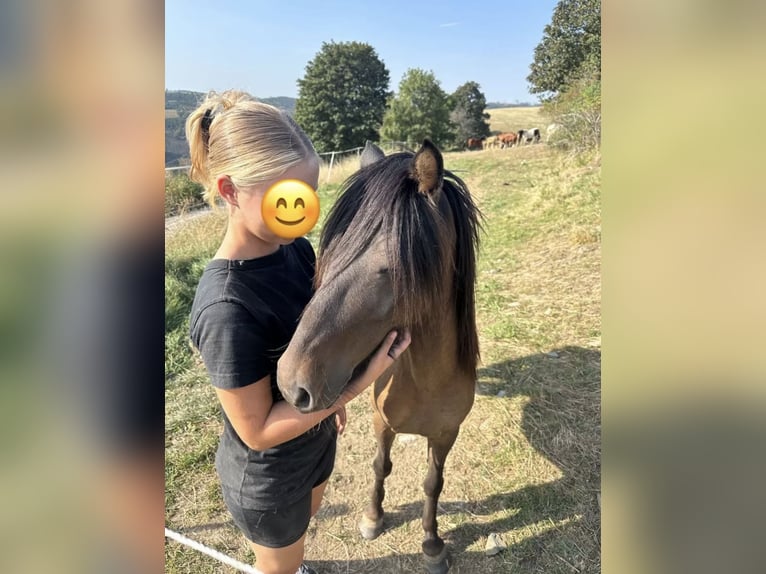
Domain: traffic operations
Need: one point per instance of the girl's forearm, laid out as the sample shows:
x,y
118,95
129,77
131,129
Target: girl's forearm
x,y
284,422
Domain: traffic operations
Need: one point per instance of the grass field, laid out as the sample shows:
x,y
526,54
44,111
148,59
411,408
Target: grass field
x,y
515,119
526,463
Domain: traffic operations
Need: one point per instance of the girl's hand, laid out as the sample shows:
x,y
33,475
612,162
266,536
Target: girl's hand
x,y
340,419
391,349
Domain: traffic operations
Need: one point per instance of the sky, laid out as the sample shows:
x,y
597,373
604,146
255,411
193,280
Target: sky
x,y
263,46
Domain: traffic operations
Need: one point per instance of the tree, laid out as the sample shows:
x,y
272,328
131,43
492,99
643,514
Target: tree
x,y
419,110
571,40
342,96
468,116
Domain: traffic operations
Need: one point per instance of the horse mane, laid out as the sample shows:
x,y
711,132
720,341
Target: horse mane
x,y
383,196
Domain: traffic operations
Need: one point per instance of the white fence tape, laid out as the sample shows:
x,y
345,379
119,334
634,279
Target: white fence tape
x,y
221,557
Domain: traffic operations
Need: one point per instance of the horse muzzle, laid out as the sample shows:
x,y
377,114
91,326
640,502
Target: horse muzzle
x,y
308,388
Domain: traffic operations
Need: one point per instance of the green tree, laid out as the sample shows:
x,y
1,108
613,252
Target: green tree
x,y
577,112
468,115
571,40
419,110
342,96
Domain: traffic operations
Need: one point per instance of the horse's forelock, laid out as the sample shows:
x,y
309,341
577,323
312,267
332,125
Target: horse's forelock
x,y
419,247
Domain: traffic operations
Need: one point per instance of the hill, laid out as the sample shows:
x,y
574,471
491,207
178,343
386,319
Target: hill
x,y
179,104
512,119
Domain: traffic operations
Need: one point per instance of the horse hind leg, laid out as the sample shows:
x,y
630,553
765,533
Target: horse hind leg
x,y
371,523
434,549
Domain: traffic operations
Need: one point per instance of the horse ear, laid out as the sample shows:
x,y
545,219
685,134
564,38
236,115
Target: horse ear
x,y
428,168
370,154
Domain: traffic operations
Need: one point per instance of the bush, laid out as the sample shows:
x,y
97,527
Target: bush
x,y
577,111
181,193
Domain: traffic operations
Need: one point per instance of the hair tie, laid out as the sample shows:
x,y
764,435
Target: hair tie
x,y
207,119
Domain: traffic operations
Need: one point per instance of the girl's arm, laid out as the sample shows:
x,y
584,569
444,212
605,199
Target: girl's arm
x,y
262,424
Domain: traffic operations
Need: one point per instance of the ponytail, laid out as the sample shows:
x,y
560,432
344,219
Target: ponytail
x,y
233,134
198,135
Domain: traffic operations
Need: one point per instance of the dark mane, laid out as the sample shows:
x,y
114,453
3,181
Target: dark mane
x,y
419,245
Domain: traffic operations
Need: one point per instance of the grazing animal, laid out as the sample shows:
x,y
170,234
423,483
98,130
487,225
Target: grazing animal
x,y
507,139
491,142
529,136
475,143
398,250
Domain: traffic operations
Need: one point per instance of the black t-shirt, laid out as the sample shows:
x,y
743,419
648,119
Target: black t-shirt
x,y
243,316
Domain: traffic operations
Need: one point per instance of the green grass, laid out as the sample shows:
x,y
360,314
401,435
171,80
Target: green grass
x,y
526,463
181,193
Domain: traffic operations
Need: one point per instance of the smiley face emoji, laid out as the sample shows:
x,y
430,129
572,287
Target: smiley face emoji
x,y
290,208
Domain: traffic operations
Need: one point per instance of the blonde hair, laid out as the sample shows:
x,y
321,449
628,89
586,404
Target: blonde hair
x,y
251,142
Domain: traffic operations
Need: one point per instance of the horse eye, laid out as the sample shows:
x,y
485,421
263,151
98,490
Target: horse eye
x,y
281,202
383,271
299,201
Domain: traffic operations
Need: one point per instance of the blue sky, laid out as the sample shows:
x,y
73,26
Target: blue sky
x,y
263,46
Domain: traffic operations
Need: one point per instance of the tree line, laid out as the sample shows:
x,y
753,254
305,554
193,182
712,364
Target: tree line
x,y
343,98
566,71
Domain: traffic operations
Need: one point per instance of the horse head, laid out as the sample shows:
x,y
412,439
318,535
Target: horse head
x,y
385,256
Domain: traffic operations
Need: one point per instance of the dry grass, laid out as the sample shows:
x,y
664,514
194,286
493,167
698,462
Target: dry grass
x,y
526,463
515,119
342,167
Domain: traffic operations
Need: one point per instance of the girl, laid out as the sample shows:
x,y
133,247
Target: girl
x,y
273,461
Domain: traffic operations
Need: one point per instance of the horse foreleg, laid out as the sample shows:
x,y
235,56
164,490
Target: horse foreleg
x,y
371,523
433,547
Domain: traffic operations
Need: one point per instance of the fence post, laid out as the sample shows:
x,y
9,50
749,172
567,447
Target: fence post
x,y
329,169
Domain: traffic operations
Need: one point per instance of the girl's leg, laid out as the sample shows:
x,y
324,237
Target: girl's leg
x,y
288,559
285,560
316,497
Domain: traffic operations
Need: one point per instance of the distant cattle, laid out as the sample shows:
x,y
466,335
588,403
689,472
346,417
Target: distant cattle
x,y
529,136
475,143
507,139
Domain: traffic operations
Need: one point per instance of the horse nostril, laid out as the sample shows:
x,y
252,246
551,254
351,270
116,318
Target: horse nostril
x,y
302,398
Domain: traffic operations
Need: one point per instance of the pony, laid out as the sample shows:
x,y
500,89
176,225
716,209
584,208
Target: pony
x,y
398,250
507,139
491,142
530,135
475,143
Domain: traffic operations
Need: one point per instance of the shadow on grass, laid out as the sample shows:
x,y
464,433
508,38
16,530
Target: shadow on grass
x,y
561,421
563,417
546,552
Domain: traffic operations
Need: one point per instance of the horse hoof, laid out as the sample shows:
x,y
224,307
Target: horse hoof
x,y
437,564
370,529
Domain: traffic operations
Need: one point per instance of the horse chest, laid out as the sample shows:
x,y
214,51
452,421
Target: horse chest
x,y
405,407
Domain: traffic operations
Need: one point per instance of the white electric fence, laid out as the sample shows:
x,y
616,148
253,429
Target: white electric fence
x,y
391,145
221,557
